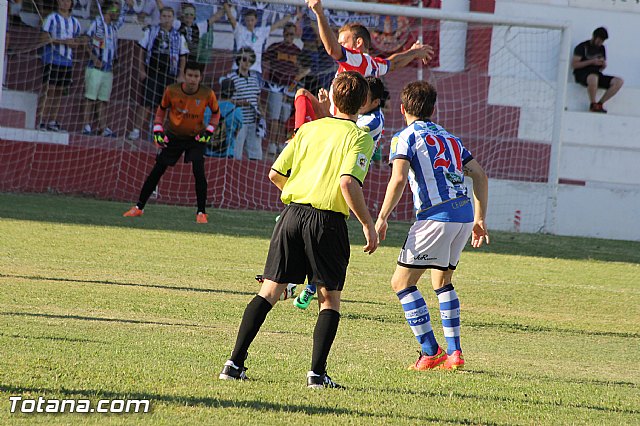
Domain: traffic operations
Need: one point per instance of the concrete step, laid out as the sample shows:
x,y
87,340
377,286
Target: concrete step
x,y
626,102
12,118
601,130
28,135
21,101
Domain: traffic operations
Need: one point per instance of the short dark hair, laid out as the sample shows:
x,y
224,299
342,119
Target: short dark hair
x,y
288,25
350,91
601,33
248,12
419,99
376,87
227,88
168,9
194,66
358,31
245,51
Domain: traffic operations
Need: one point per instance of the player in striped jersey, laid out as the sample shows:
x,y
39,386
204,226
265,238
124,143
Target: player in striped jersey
x,y
61,33
103,42
435,162
350,51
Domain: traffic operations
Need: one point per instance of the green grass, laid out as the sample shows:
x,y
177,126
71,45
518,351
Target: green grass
x,y
93,305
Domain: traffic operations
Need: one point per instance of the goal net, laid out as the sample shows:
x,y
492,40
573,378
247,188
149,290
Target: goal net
x,y
497,84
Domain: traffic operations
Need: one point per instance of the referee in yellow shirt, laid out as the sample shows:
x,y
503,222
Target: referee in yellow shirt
x,y
320,173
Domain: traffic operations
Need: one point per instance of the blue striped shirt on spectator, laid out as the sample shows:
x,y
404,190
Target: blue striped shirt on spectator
x,y
104,41
60,28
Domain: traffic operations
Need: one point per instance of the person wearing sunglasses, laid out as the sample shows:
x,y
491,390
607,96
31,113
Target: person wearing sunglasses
x,y
247,94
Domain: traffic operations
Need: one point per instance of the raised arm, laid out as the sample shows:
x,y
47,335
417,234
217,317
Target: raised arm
x,y
352,193
480,200
395,188
417,51
329,39
230,17
216,16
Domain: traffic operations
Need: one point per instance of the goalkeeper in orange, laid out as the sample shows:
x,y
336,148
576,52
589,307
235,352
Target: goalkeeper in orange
x,y
186,133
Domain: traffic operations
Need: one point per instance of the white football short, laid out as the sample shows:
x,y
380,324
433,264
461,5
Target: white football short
x,y
436,245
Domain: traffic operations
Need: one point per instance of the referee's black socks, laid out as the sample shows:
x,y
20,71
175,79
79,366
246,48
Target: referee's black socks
x,y
323,336
253,318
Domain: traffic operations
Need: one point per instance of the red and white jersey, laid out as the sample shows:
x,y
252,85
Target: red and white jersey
x,y
362,63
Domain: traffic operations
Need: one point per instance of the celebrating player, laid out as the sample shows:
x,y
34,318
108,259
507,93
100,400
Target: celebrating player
x,y
435,162
320,173
350,51
186,132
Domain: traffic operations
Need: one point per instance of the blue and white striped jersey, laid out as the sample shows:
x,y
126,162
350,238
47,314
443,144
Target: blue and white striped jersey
x,y
436,177
60,28
103,38
372,123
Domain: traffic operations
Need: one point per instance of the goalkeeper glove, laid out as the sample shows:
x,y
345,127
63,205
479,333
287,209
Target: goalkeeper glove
x,y
159,138
205,135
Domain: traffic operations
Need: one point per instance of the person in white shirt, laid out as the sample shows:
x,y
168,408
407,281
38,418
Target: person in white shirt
x,y
249,35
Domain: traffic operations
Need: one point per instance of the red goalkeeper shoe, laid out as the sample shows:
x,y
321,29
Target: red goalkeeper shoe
x,y
201,218
454,362
429,362
133,212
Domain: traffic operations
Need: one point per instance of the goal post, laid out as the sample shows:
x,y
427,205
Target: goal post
x,y
501,85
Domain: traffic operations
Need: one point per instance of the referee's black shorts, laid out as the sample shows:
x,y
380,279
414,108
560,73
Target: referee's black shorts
x,y
311,243
193,151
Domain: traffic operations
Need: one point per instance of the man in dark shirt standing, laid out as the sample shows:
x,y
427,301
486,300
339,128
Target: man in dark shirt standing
x,y
589,59
281,82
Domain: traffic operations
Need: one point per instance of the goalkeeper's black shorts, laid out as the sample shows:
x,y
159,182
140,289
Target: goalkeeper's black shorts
x,y
193,151
309,243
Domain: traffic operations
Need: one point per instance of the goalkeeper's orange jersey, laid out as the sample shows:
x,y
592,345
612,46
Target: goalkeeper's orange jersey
x,y
186,111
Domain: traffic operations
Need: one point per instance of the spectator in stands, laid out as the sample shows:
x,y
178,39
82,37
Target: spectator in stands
x,y
321,67
162,58
247,95
248,35
192,30
229,125
103,43
589,59
61,34
147,11
281,82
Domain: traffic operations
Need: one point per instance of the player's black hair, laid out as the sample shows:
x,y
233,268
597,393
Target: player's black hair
x,y
227,88
245,51
376,87
194,66
601,33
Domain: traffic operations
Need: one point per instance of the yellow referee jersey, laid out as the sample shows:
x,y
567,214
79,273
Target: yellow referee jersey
x,y
321,152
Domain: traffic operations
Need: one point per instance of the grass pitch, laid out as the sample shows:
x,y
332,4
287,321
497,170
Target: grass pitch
x,y
97,306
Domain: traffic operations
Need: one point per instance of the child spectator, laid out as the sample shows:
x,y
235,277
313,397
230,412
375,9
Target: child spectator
x,y
246,96
103,43
62,33
229,125
161,60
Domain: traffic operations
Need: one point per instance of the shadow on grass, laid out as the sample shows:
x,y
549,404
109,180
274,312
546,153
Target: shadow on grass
x,y
157,286
210,402
259,224
553,380
517,328
53,338
510,399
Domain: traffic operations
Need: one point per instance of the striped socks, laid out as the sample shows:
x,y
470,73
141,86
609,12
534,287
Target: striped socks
x,y
450,314
417,316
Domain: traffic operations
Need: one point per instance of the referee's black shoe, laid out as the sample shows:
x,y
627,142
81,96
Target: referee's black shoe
x,y
315,381
230,371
